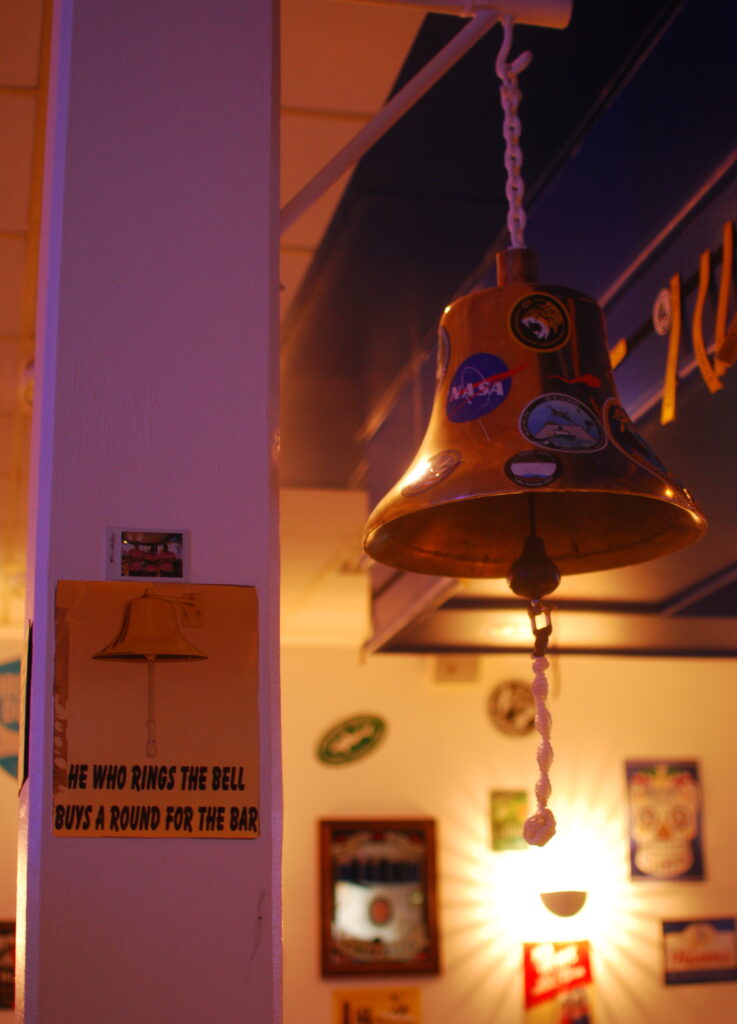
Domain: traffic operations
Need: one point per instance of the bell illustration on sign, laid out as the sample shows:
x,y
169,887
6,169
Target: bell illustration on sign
x,y
150,633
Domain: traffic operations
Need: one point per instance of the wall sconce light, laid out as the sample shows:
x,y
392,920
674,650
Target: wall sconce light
x,y
565,903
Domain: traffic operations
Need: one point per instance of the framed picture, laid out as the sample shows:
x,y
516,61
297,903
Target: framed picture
x,y
700,949
665,820
378,897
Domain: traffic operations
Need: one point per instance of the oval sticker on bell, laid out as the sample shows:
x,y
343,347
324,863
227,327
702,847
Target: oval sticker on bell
x,y
432,471
561,423
533,468
540,321
479,385
443,354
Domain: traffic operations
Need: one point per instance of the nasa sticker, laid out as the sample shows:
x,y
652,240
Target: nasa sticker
x,y
438,467
443,354
623,436
479,385
533,468
540,321
561,423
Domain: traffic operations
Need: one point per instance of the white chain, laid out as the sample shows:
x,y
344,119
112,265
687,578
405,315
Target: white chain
x,y
512,130
540,827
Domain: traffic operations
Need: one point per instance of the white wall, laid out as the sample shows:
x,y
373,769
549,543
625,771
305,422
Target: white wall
x,y
442,757
157,405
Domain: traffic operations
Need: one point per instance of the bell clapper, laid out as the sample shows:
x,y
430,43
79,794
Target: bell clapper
x,y
534,575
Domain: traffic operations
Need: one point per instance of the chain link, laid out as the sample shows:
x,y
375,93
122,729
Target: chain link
x,y
512,130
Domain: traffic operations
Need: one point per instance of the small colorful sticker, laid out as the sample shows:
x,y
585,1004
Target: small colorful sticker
x,y
663,312
540,321
589,379
562,423
623,436
533,468
479,385
431,472
351,739
443,354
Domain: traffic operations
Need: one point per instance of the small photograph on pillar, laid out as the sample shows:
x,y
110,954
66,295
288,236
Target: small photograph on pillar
x,y
156,711
146,554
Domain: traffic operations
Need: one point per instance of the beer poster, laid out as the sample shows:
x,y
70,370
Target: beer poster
x,y
155,711
558,983
700,950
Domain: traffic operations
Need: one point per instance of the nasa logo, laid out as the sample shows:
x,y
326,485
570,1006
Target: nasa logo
x,y
540,321
479,385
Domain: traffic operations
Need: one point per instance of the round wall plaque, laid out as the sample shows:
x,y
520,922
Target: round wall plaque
x,y
512,708
351,739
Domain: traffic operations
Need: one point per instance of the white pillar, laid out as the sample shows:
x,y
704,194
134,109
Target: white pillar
x,y
155,405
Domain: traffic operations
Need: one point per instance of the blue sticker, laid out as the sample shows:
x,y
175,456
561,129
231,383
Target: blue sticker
x,y
562,423
623,436
479,385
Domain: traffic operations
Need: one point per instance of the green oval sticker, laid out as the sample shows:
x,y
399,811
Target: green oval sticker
x,y
351,739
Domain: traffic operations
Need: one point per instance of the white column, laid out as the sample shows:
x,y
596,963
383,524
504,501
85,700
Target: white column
x,y
156,404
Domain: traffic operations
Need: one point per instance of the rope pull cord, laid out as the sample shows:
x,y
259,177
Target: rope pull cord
x,y
512,130
540,826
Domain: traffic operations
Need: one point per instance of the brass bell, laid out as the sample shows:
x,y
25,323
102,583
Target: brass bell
x,y
526,422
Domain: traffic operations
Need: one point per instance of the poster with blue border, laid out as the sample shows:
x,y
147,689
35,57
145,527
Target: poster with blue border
x,y
699,950
665,820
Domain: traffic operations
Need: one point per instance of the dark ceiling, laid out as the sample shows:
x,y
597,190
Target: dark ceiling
x,y
423,209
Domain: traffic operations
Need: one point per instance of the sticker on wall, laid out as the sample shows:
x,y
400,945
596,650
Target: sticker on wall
x,y
665,820
443,354
156,711
147,554
480,384
377,1006
703,949
9,716
533,468
512,708
558,983
351,739
431,471
509,810
540,321
562,423
623,436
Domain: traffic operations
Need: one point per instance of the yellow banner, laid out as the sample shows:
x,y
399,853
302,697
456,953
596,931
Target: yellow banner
x,y
156,711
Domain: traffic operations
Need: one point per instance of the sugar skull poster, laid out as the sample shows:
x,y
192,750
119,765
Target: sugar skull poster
x,y
665,807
